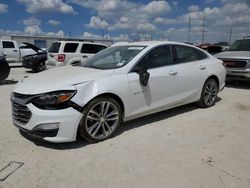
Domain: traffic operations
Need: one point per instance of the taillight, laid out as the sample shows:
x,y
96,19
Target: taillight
x,y
61,57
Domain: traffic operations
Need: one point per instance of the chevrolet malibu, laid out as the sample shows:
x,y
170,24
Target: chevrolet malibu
x,y
120,83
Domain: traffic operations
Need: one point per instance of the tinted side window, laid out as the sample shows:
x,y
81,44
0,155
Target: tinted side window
x,y
201,54
70,47
158,57
100,48
54,48
7,44
187,54
90,48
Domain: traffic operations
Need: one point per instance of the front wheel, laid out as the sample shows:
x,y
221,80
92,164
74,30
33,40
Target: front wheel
x,y
101,118
40,67
209,93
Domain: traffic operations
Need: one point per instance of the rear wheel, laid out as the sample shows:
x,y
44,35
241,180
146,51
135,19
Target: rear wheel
x,y
209,93
101,118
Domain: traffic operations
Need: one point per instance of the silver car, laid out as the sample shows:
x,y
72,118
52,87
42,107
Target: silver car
x,y
237,59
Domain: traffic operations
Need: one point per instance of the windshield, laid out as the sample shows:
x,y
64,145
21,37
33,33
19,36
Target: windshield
x,y
240,45
54,48
113,57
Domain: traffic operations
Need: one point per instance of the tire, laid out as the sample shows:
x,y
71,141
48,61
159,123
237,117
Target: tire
x,y
40,67
209,93
101,117
4,70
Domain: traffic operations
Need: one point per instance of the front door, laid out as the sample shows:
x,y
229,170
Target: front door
x,y
11,51
162,87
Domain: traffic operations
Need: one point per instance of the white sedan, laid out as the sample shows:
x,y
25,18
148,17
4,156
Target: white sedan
x,y
123,82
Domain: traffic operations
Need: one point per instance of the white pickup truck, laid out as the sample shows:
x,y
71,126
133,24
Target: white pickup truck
x,y
14,52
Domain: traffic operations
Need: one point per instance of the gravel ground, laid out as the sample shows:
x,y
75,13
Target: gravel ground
x,y
183,147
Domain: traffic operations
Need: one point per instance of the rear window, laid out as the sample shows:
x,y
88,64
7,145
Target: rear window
x,y
187,54
7,44
54,48
92,48
70,47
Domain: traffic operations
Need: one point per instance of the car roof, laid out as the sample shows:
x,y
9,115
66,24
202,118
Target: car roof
x,y
83,42
150,43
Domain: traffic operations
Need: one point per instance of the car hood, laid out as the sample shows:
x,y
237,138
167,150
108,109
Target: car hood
x,y
33,47
233,55
63,78
35,55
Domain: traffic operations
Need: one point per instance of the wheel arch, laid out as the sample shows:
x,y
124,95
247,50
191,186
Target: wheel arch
x,y
215,78
114,96
74,60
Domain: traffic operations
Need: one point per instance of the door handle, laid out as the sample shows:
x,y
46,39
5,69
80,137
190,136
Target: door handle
x,y
85,56
202,67
14,50
172,73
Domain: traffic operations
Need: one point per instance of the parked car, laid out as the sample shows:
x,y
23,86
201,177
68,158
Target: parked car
x,y
213,49
36,62
71,52
237,59
14,52
4,68
122,82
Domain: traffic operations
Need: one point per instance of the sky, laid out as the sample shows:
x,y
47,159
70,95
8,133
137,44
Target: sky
x,y
127,20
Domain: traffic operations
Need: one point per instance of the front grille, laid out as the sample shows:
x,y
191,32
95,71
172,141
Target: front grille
x,y
235,63
20,113
17,96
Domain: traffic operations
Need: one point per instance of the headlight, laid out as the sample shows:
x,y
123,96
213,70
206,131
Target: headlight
x,y
248,64
53,100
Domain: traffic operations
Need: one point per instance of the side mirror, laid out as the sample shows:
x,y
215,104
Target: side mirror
x,y
143,75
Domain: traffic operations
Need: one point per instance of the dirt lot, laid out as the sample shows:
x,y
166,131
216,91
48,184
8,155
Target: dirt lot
x,y
183,147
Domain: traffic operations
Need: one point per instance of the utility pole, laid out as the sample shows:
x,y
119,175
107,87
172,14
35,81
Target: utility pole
x,y
102,34
106,32
230,35
69,26
203,29
70,32
189,29
162,36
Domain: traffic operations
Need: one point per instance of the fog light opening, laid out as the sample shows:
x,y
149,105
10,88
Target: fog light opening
x,y
47,127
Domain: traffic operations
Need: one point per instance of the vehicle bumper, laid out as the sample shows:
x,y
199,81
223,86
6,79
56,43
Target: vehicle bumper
x,y
28,64
238,74
50,64
67,120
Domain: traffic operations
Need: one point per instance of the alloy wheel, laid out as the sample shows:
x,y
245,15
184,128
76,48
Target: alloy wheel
x,y
210,93
102,119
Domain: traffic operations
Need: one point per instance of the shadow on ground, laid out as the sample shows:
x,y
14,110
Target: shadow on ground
x,y
8,82
238,84
30,71
143,121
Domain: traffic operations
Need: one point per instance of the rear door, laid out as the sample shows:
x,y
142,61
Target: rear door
x,y
70,51
11,51
190,64
53,53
